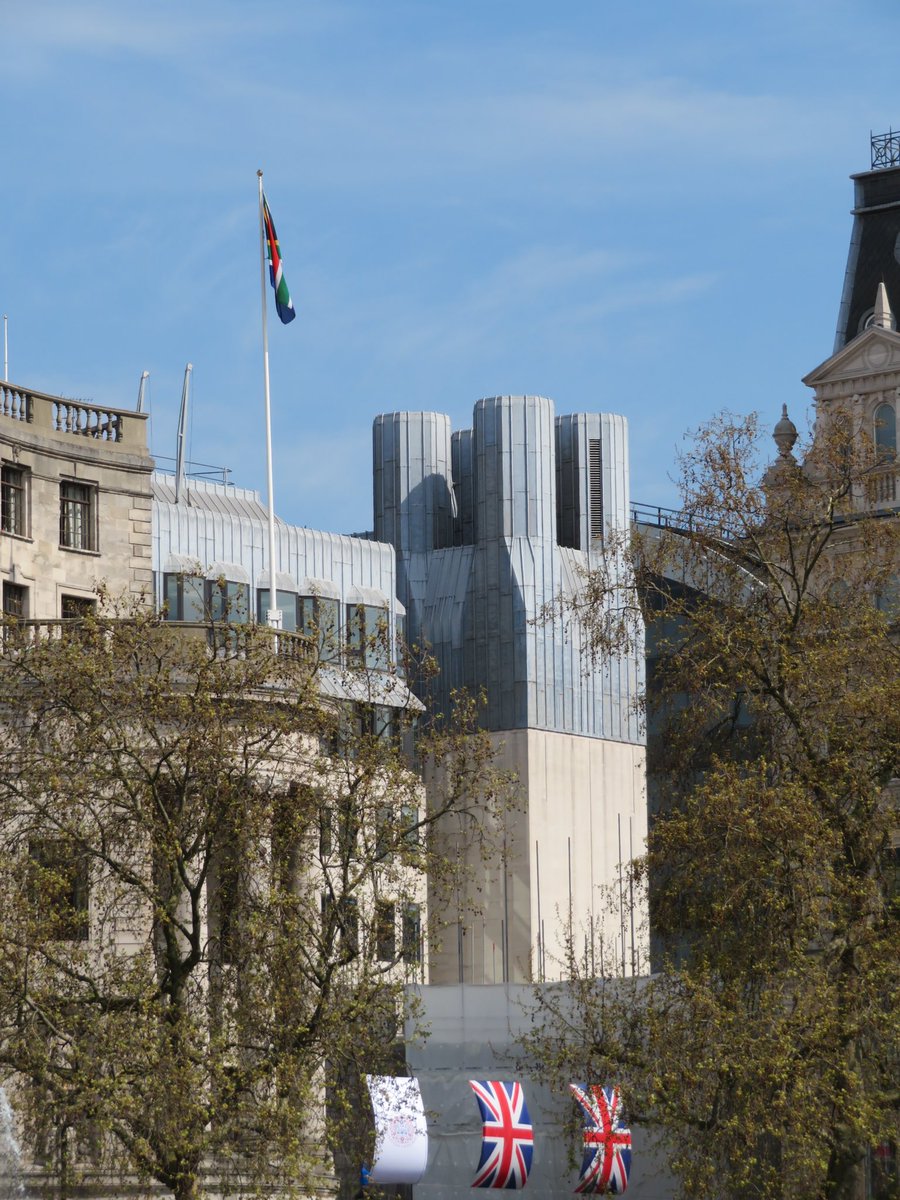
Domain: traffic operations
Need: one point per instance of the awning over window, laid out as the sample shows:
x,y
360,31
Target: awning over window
x,y
366,687
234,572
182,564
310,586
366,595
283,581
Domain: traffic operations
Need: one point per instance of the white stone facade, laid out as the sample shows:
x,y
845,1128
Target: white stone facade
x,y
76,506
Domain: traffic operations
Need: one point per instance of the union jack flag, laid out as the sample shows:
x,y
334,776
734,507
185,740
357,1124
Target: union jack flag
x,y
507,1135
607,1146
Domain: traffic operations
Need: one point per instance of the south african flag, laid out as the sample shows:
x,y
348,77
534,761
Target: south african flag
x,y
283,300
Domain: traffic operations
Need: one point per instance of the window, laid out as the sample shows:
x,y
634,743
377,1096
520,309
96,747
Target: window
x,y
326,832
76,608
227,895
13,500
15,600
317,617
59,885
409,822
185,597
286,601
888,598
341,920
385,930
348,916
367,636
885,431
410,946
77,516
374,720
347,828
228,601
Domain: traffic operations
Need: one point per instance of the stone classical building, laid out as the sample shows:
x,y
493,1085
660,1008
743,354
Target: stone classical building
x,y
75,503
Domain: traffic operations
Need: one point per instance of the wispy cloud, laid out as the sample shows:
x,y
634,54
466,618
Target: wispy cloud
x,y
165,30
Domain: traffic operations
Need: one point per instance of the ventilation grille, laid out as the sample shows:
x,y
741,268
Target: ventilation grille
x,y
595,485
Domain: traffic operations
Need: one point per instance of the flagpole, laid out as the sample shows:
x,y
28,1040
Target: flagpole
x,y
274,613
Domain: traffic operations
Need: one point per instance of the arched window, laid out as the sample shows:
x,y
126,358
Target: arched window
x,y
885,430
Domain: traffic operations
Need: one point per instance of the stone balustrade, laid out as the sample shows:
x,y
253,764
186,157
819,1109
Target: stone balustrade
x,y
884,487
219,636
74,418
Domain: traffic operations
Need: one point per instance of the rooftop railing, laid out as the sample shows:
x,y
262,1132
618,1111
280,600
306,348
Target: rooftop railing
x,y
885,149
672,518
75,418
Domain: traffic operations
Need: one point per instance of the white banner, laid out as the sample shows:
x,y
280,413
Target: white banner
x,y
401,1131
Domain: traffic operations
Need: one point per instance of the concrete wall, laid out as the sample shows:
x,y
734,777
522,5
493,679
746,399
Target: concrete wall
x,y
549,870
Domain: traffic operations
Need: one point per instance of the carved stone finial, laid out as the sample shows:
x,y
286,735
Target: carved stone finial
x,y
785,434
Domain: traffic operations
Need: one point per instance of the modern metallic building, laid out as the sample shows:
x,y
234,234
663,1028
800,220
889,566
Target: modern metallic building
x,y
477,533
492,525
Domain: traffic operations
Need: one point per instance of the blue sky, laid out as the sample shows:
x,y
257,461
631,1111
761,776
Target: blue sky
x,y
639,208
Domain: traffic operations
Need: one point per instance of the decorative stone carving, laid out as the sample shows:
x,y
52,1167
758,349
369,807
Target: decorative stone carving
x,y
785,434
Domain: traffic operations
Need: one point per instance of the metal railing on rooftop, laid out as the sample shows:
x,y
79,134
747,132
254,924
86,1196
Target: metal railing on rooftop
x,y
672,518
194,470
885,149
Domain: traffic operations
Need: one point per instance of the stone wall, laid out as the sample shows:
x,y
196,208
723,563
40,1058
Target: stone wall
x,y
47,444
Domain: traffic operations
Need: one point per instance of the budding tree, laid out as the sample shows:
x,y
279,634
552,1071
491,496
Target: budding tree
x,y
211,887
764,1049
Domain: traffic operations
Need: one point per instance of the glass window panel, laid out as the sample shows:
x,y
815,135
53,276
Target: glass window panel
x,y
318,617
193,598
385,930
172,597
329,629
287,602
376,638
13,500
411,934
886,428
229,601
76,516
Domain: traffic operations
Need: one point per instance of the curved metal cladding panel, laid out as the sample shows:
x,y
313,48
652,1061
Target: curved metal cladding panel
x,y
515,472
592,485
515,532
229,526
483,607
576,695
413,491
462,448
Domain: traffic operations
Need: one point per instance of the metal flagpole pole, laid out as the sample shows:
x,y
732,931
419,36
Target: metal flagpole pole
x,y
274,613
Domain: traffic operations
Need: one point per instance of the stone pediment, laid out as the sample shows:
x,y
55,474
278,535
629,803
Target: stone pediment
x,y
874,352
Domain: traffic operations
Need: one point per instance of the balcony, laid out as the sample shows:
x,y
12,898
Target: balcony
x,y
883,486
221,638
